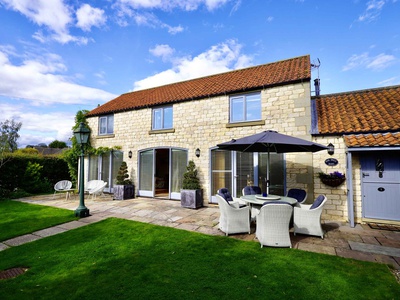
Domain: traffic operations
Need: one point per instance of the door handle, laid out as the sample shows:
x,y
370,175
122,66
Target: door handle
x,y
365,174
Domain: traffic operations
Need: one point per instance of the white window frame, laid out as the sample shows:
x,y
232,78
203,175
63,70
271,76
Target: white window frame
x,y
109,119
244,100
162,111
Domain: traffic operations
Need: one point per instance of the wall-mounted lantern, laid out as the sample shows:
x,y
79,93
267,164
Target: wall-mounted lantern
x,y
331,149
197,152
130,154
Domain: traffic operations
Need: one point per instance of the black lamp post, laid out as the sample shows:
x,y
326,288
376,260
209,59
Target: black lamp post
x,y
82,136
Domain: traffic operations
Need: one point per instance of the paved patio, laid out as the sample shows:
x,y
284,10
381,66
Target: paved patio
x,y
361,242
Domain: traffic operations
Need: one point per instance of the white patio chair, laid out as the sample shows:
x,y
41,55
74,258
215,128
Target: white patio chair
x,y
307,217
98,189
91,184
233,219
63,186
272,224
299,194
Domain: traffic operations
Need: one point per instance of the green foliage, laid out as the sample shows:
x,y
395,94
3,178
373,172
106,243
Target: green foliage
x,y
26,151
190,179
13,175
33,181
71,156
57,144
8,139
9,135
123,175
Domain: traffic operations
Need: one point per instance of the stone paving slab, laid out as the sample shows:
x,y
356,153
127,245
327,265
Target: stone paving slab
x,y
374,249
49,231
72,225
19,240
3,246
316,248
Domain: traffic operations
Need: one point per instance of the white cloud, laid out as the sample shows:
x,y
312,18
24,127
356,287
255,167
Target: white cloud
x,y
39,127
88,16
373,10
38,80
390,81
141,11
163,51
363,60
53,15
186,5
219,58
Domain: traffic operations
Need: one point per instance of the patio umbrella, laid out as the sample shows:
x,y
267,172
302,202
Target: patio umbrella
x,y
271,141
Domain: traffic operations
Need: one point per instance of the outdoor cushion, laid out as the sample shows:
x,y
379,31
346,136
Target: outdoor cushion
x,y
298,194
317,202
224,193
251,190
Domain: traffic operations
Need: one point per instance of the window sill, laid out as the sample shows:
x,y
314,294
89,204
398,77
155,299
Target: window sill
x,y
158,131
244,124
105,136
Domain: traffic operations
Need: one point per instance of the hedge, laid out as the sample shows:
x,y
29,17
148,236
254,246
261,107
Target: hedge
x,y
33,174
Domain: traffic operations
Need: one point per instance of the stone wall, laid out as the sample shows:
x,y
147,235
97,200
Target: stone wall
x,y
203,124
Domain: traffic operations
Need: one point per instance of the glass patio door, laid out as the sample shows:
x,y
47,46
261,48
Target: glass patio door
x,y
146,173
162,169
221,172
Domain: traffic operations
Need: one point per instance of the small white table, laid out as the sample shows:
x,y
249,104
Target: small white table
x,y
256,201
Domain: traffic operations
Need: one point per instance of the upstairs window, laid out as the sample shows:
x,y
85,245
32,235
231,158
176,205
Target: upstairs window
x,y
162,118
245,108
106,125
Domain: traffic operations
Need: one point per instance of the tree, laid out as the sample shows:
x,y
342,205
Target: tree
x,y
8,139
57,144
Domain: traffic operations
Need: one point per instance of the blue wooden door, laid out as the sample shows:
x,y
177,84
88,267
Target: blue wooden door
x,y
380,175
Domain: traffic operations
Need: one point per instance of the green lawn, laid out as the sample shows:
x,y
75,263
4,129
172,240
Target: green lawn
x,y
121,259
18,218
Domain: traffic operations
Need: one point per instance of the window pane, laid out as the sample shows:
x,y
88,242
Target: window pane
x,y
157,118
110,124
253,107
276,171
117,158
93,167
168,117
244,170
237,113
103,125
178,167
146,171
221,170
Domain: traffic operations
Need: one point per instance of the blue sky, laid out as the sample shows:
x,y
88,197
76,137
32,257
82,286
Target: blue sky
x,y
59,56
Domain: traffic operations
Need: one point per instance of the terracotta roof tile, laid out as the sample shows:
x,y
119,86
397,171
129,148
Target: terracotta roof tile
x,y
277,73
373,110
372,139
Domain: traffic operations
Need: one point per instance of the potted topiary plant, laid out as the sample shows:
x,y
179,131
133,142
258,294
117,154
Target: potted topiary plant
x,y
191,192
124,188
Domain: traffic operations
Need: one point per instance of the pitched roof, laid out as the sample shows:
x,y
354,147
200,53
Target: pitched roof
x,y
373,139
366,111
278,73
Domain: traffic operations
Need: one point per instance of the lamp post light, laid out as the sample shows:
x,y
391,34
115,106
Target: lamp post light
x,y
82,136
